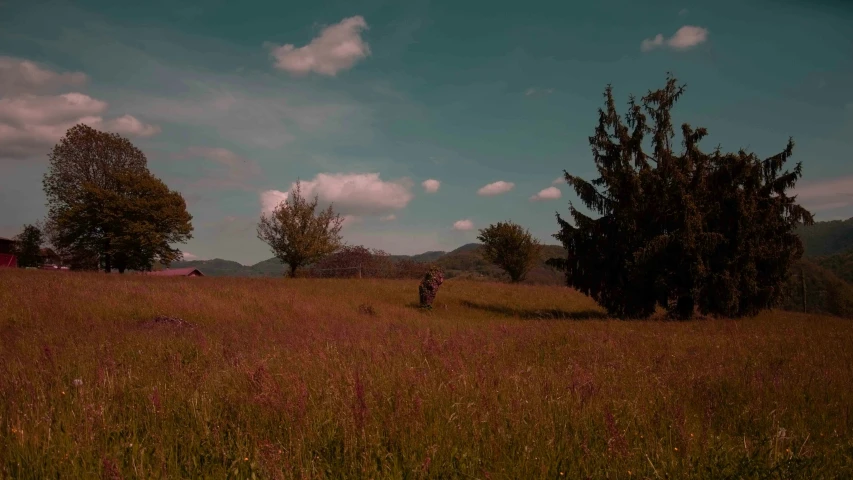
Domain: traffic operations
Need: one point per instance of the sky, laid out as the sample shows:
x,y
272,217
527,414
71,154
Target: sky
x,y
420,121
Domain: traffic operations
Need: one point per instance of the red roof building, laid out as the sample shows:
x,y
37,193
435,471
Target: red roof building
x,y
178,272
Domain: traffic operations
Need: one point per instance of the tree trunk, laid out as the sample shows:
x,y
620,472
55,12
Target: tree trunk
x,y
684,308
293,268
108,266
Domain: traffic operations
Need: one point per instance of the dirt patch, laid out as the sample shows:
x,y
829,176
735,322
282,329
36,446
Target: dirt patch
x,y
167,321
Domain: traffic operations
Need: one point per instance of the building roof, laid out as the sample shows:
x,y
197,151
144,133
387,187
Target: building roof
x,y
178,272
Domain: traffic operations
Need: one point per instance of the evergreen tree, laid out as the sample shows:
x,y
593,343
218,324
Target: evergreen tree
x,y
28,246
683,231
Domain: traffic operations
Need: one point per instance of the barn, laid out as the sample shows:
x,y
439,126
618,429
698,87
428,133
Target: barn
x,y
179,272
7,257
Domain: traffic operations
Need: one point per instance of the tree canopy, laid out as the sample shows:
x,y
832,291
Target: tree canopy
x,y
28,246
296,234
105,207
510,247
686,231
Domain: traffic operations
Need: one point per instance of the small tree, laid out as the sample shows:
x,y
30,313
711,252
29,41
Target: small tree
x,y
351,260
28,246
510,247
296,235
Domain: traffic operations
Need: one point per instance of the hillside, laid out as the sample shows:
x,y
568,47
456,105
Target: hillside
x,y
827,238
467,261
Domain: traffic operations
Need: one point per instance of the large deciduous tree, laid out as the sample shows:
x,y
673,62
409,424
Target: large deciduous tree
x,y
106,208
511,247
28,246
685,231
297,234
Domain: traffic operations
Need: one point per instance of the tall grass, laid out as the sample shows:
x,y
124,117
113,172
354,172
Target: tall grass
x,y
284,378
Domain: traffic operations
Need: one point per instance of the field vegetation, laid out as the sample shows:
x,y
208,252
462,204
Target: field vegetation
x,y
130,376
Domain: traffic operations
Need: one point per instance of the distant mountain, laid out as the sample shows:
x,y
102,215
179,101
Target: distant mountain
x,y
827,238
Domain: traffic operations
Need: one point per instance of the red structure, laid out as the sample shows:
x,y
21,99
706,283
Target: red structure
x,y
8,260
178,272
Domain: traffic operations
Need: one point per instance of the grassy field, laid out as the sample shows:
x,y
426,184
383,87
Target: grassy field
x,y
277,378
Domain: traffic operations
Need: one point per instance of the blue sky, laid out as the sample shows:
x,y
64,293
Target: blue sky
x,y
365,101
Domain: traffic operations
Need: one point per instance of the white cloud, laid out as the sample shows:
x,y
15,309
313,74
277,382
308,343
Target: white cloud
x,y
338,48
236,163
19,76
431,185
359,193
824,195
388,218
682,12
270,199
538,91
30,124
496,188
559,180
349,220
130,126
463,225
550,193
189,256
684,38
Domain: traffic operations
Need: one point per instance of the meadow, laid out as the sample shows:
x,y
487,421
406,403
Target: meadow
x,y
314,378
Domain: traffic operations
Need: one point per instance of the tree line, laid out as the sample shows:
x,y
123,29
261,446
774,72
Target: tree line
x,y
685,231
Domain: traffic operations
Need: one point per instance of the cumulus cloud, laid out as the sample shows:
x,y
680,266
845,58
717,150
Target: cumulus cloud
x,y
431,185
189,256
270,199
550,193
19,76
559,180
359,193
463,225
337,48
496,188
30,123
685,37
388,218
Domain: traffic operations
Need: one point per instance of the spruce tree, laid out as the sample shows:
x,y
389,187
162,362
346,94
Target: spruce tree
x,y
684,231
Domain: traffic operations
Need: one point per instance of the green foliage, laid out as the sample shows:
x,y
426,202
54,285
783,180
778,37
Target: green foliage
x,y
428,288
28,245
827,238
511,247
296,235
683,231
825,292
106,208
133,224
840,264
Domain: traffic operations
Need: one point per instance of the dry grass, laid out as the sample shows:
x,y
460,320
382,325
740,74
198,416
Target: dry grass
x,y
345,379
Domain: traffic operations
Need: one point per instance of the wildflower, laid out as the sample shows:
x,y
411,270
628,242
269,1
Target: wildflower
x,y
676,449
246,459
78,382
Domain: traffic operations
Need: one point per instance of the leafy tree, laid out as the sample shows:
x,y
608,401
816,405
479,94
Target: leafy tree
x,y
683,231
296,235
510,247
350,260
132,225
28,246
85,157
106,208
